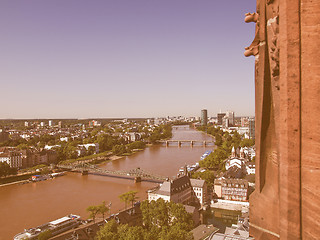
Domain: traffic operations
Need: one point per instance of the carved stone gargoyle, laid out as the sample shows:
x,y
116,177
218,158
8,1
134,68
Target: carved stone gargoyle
x,y
253,49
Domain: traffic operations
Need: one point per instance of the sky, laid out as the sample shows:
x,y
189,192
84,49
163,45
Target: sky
x,y
125,58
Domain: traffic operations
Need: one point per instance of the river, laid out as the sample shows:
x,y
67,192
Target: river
x,y
32,204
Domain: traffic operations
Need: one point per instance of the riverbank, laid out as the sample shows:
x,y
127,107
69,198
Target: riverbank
x,y
15,179
12,183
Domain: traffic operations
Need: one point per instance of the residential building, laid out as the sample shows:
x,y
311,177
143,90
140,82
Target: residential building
x,y
11,156
178,190
132,136
250,168
231,189
200,191
94,123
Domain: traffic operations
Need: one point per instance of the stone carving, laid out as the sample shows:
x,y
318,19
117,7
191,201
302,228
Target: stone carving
x,y
265,48
266,51
253,49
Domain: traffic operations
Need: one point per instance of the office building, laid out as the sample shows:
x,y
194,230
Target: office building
x,y
220,117
251,128
204,117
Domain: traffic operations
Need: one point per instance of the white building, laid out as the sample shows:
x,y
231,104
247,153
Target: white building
x,y
200,190
88,145
251,168
48,147
65,139
230,116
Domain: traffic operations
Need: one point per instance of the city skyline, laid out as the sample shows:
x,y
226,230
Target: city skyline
x,y
125,59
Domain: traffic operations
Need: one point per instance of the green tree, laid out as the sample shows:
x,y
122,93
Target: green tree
x,y
119,149
108,232
160,214
132,197
103,209
106,142
247,142
131,233
176,233
136,145
93,210
6,170
215,159
161,220
128,197
45,235
207,175
218,140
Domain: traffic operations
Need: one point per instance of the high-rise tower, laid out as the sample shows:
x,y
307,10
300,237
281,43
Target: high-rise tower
x,y
204,117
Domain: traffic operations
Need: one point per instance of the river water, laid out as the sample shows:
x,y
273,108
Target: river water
x,y
32,204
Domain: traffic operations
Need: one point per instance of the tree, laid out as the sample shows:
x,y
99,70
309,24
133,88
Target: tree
x,y
119,149
136,145
161,214
247,142
215,159
6,170
45,235
108,232
126,197
132,196
131,233
102,209
218,140
161,220
93,210
207,175
175,232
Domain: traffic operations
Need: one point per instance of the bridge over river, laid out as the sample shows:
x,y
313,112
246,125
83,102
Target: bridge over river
x,y
188,142
137,174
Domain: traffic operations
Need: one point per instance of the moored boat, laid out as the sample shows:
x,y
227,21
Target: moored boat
x,y
54,227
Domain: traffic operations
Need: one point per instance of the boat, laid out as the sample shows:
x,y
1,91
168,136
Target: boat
x,y
38,178
58,174
55,227
206,154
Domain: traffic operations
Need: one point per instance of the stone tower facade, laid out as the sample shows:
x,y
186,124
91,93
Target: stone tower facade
x,y
286,202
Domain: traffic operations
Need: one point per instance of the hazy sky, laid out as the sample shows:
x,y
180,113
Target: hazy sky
x,y
125,58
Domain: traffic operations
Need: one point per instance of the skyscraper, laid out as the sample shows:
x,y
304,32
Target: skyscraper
x,y
230,116
204,117
252,128
220,117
